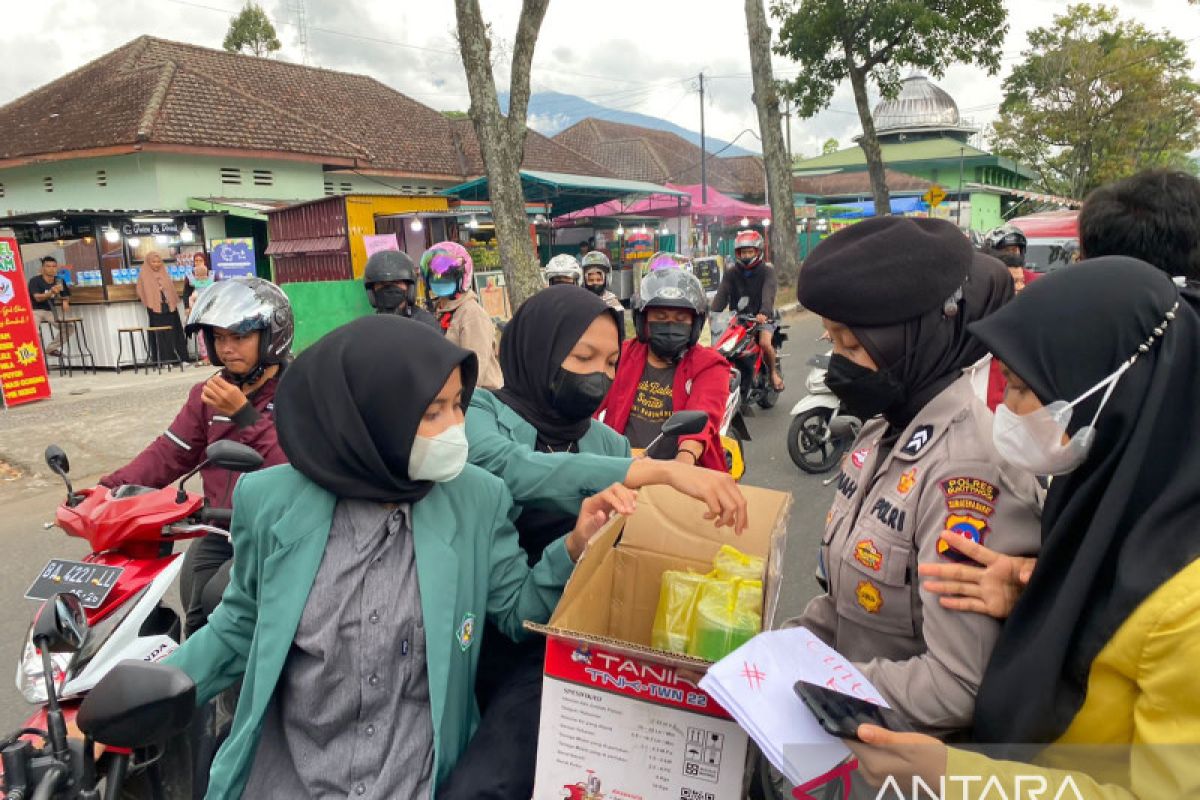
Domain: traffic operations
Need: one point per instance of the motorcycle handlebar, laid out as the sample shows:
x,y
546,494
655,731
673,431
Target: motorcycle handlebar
x,y
217,516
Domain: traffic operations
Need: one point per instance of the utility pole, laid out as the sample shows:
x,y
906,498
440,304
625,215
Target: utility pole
x,y
298,8
962,155
703,149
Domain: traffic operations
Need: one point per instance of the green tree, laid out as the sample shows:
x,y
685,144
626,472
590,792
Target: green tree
x,y
1097,98
831,146
868,41
251,32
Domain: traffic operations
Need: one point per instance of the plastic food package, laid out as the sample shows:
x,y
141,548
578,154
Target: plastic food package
x,y
709,616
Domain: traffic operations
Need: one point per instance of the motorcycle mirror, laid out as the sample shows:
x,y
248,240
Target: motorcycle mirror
x,y
233,456
138,704
685,423
57,461
61,626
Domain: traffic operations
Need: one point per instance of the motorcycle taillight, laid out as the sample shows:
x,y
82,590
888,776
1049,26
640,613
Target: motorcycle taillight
x,y
31,681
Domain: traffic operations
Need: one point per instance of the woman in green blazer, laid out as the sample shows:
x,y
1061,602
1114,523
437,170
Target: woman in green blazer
x,y
377,545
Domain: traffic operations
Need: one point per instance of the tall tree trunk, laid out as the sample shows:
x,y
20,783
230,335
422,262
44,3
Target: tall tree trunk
x,y
869,141
775,157
501,139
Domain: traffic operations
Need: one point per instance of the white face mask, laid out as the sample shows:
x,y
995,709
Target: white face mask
x,y
1034,442
439,458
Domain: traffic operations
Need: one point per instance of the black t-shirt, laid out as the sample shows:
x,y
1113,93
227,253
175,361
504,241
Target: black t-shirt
x,y
38,284
653,405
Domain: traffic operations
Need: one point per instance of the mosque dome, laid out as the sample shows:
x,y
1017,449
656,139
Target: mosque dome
x,y
920,106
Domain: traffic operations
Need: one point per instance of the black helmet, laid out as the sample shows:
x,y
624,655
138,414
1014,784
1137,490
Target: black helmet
x,y
387,266
243,305
670,288
1006,236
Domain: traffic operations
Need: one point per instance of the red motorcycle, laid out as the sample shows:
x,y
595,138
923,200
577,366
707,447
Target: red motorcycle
x,y
739,344
120,588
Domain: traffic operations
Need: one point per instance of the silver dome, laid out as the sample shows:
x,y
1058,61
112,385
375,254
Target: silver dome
x,y
921,105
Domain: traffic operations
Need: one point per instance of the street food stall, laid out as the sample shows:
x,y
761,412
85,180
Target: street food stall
x,y
100,255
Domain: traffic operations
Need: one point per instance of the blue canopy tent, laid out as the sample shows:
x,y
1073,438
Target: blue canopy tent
x,y
866,208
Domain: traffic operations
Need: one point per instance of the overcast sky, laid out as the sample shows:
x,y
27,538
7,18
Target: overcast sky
x,y
625,54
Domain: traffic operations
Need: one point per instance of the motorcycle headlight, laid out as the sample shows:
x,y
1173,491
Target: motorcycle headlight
x,y
31,681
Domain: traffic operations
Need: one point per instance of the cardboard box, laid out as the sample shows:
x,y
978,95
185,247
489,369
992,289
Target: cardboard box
x,y
621,721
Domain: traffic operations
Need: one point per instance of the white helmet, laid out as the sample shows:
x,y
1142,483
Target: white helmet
x,y
563,269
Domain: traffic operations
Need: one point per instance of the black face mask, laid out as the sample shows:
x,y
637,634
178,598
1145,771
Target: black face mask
x,y
668,340
596,290
864,392
577,396
390,298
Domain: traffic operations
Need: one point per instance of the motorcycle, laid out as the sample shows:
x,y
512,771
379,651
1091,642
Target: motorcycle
x,y
739,344
120,587
821,431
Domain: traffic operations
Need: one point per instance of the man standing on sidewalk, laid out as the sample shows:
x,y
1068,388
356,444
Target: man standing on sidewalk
x,y
47,290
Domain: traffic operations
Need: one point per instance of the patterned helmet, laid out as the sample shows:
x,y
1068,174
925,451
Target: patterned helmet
x,y
448,261
749,238
665,260
563,266
596,260
1006,236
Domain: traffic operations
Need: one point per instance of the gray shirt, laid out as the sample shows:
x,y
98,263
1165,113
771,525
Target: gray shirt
x,y
350,717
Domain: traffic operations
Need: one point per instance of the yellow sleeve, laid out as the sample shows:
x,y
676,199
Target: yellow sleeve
x,y
1164,758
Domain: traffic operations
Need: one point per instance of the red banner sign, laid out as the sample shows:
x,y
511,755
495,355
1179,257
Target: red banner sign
x,y
22,365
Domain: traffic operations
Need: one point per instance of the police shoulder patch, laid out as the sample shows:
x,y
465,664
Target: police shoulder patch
x,y
968,494
967,526
919,439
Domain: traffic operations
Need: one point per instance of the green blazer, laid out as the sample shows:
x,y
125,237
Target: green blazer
x,y
500,441
469,566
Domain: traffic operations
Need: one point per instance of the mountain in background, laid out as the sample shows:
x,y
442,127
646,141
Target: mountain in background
x,y
552,112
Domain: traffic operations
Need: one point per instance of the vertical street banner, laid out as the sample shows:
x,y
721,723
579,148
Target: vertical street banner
x,y
23,372
233,258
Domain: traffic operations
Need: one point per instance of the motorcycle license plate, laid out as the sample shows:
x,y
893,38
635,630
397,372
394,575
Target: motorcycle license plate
x,y
90,582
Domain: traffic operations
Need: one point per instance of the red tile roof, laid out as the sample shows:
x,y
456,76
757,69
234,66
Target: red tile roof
x,y
157,93
638,153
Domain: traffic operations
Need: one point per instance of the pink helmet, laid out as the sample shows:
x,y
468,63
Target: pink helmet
x,y
448,261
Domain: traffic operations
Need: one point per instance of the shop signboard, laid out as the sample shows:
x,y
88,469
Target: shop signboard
x,y
23,372
233,258
149,228
380,243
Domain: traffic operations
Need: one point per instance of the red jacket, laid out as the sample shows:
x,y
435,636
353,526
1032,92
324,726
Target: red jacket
x,y
181,447
996,383
701,384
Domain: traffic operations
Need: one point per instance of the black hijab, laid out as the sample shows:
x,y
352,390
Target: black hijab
x,y
348,407
535,343
1124,522
928,353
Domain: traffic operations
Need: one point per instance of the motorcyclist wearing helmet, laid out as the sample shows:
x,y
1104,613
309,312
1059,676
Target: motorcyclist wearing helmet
x,y
562,269
390,279
448,269
753,278
596,272
1008,244
248,327
665,370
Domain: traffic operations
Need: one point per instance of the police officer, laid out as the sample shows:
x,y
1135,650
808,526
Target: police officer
x,y
896,296
390,279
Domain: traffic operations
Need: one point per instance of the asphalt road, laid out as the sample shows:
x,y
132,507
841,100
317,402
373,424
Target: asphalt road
x,y
109,418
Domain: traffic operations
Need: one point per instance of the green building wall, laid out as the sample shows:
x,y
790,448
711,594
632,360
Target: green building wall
x,y
321,306
985,211
180,177
128,181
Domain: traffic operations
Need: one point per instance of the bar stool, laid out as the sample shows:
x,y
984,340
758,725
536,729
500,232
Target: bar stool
x,y
83,351
43,326
131,332
158,361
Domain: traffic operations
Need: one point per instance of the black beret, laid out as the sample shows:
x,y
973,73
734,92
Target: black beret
x,y
885,270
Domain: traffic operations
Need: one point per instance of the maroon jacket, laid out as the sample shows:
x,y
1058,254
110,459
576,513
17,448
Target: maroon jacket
x,y
181,447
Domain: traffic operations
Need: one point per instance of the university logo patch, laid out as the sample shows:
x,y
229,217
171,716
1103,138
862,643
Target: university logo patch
x,y
466,631
966,526
867,554
869,597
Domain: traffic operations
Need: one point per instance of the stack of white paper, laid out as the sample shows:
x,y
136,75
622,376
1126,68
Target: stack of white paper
x,y
755,685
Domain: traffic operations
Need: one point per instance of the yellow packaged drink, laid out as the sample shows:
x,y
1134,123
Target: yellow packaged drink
x,y
676,602
730,563
728,614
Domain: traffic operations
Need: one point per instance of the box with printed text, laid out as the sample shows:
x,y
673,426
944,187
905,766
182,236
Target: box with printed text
x,y
620,720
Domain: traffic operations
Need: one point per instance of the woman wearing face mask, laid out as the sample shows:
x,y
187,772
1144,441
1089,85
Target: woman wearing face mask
x,y
896,296
447,269
364,571
558,353
1095,668
665,370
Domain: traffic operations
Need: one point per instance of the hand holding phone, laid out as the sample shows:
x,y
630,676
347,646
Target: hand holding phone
x,y
841,714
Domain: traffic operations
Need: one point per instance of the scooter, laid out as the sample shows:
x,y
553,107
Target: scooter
x,y
739,344
821,431
120,585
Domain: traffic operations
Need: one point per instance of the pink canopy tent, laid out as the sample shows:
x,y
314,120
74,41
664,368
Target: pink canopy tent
x,y
720,206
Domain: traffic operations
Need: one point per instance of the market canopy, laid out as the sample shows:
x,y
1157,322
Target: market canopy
x,y
866,208
719,205
566,193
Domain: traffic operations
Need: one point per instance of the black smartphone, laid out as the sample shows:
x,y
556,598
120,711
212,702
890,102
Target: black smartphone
x,y
840,714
